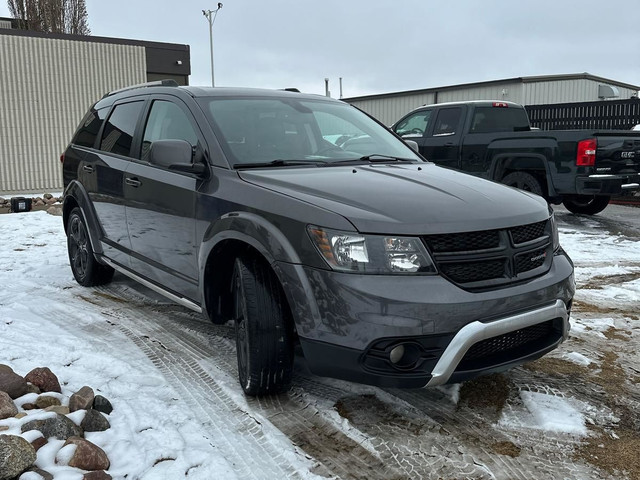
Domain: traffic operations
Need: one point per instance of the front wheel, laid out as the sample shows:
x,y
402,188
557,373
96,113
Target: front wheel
x,y
264,336
586,204
86,269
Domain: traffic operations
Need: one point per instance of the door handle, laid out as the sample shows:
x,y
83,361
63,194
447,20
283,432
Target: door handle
x,y
87,168
134,182
448,144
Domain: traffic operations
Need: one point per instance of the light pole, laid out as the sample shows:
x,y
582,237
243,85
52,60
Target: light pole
x,y
211,16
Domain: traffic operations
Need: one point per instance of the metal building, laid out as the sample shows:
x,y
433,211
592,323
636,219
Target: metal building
x,y
47,83
581,87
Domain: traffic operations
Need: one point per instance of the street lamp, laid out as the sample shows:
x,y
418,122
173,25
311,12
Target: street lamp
x,y
211,16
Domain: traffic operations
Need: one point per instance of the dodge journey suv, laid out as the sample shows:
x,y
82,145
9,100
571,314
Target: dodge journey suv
x,y
306,222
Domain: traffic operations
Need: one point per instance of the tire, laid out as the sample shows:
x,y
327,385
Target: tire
x,y
86,269
523,181
586,204
264,335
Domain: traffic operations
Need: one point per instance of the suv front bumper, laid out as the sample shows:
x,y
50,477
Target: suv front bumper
x,y
348,324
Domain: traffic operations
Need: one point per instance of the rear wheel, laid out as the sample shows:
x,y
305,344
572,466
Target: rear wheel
x,y
524,181
586,204
264,336
86,269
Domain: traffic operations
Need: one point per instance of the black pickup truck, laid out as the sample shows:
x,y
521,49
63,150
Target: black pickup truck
x,y
494,140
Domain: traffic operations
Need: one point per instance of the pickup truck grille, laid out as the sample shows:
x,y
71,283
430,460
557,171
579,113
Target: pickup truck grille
x,y
493,258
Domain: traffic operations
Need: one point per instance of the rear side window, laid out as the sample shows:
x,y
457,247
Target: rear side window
x,y
499,119
119,129
88,130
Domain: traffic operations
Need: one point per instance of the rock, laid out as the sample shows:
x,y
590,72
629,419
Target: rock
x,y
59,427
82,399
29,406
12,383
7,407
39,202
6,368
87,455
44,379
43,473
31,388
61,409
97,475
48,196
94,421
44,401
55,210
102,405
38,443
16,455
3,428
20,415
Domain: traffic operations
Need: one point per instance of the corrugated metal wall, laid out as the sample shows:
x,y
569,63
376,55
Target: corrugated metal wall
x,y
566,91
47,85
511,92
390,109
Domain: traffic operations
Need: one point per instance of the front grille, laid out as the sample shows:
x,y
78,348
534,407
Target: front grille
x,y
526,233
510,346
492,258
460,242
473,271
530,260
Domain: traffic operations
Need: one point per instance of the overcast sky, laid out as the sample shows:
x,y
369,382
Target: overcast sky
x,y
380,46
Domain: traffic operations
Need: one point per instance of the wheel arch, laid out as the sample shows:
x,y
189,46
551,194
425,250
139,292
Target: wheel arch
x,y
234,235
76,196
532,163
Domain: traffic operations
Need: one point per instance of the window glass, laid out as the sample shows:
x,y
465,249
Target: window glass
x,y
167,121
415,125
88,130
256,130
447,122
499,119
119,129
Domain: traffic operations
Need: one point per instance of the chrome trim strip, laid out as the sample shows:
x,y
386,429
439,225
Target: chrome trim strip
x,y
477,331
174,298
602,176
630,186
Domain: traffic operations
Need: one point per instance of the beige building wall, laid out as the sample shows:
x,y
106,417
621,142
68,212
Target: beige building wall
x,y
46,87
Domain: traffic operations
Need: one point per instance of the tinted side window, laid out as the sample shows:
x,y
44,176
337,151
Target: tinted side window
x,y
119,129
167,121
499,119
415,125
88,131
447,122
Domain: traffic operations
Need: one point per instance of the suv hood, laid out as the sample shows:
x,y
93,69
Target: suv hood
x,y
405,199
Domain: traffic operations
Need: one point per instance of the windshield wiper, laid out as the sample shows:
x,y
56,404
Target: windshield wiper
x,y
278,163
373,158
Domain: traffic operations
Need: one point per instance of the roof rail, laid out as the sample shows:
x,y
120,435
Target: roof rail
x,y
291,89
157,83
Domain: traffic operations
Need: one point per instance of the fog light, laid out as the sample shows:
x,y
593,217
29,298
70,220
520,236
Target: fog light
x,y
396,354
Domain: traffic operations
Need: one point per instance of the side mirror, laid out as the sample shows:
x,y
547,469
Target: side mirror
x,y
176,155
413,145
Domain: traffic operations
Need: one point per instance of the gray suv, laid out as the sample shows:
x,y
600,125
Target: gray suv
x,y
309,223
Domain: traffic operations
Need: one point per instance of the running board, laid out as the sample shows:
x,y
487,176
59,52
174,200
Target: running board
x,y
165,293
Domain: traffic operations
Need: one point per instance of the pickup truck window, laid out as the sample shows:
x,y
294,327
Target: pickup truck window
x,y
496,119
447,122
415,125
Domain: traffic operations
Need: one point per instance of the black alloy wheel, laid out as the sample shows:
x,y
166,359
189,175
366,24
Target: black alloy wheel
x,y
86,269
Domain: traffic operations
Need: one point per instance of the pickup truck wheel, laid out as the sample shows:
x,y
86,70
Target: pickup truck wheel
x,y
263,329
586,204
86,269
523,181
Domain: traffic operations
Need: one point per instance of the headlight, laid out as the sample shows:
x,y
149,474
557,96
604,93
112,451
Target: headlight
x,y
554,231
351,252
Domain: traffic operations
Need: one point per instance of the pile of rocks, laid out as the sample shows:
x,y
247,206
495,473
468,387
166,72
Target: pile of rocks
x,y
37,203
39,391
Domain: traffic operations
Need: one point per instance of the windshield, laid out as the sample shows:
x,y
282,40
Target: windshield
x,y
288,131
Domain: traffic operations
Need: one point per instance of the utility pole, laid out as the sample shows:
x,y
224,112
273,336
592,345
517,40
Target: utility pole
x,y
211,17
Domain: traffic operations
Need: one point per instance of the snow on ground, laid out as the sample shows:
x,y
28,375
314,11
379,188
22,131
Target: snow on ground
x,y
150,424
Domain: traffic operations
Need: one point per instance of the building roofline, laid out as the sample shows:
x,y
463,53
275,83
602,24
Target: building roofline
x,y
90,38
531,79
